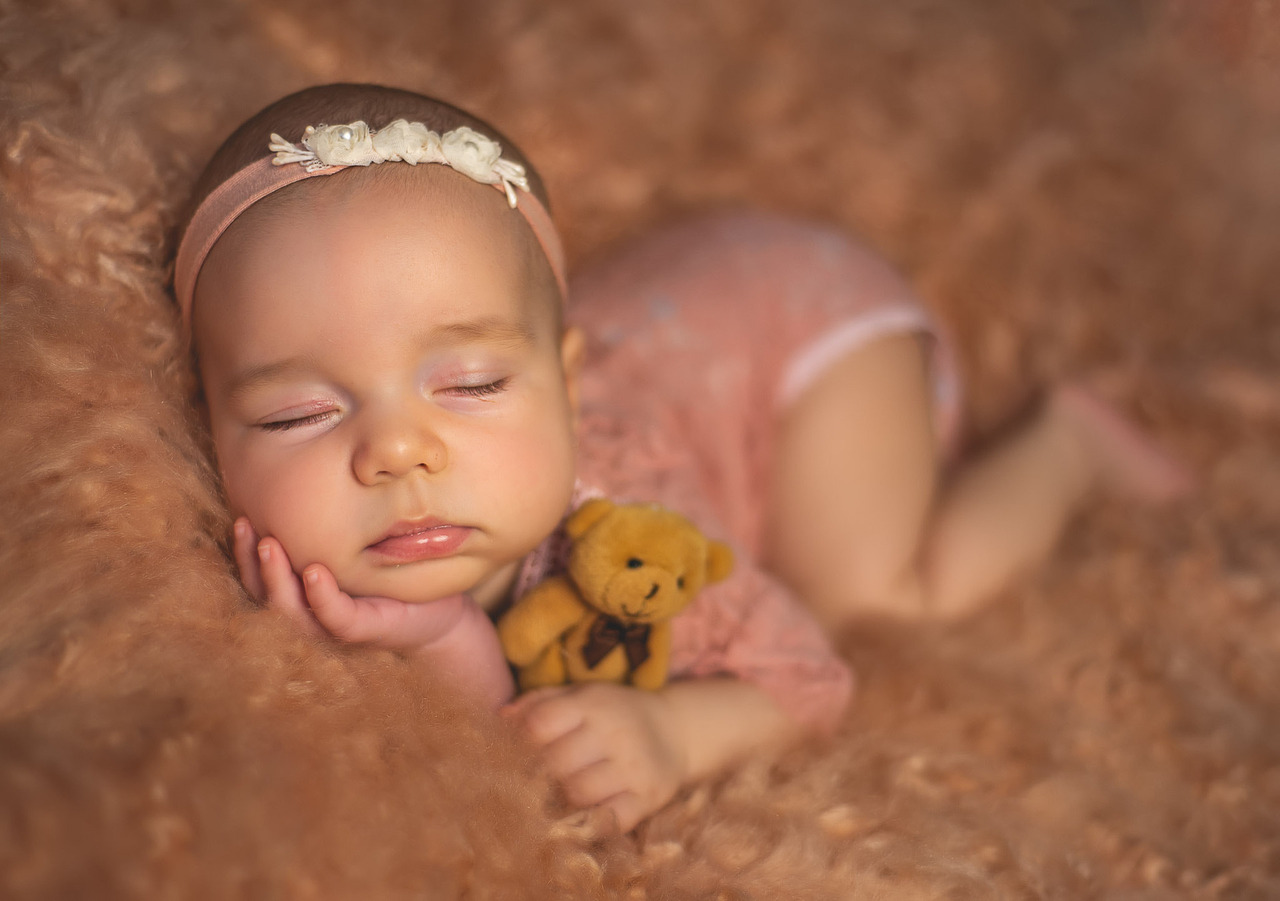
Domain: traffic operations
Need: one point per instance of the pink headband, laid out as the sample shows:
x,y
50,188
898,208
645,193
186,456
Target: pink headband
x,y
329,149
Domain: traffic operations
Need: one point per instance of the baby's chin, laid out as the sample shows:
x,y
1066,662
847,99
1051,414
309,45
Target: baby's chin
x,y
428,582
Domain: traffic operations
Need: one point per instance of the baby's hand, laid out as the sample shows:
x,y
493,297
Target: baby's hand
x,y
608,745
452,635
320,607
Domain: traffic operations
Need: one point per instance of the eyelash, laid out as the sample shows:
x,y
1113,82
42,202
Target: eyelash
x,y
285,425
481,390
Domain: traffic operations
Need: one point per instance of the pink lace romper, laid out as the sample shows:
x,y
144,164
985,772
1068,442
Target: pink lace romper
x,y
698,335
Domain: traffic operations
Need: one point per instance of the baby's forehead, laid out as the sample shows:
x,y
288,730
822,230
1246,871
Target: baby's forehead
x,y
345,212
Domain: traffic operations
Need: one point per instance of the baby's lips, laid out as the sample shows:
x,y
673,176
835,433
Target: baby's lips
x,y
425,543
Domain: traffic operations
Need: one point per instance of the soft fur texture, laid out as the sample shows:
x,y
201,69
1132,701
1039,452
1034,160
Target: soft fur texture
x,y
1085,187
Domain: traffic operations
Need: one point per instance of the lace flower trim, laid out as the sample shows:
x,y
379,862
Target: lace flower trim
x,y
463,149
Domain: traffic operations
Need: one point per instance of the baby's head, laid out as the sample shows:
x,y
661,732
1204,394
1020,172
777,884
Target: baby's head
x,y
390,388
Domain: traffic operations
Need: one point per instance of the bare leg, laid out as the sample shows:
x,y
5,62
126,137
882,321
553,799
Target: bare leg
x,y
854,480
860,525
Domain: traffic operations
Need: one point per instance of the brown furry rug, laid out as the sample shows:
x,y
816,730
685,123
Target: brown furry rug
x,y
1085,187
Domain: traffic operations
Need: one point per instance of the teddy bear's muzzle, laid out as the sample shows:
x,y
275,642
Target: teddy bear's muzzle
x,y
643,595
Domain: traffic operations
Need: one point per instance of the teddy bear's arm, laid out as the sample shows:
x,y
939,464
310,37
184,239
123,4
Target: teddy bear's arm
x,y
548,669
652,674
549,610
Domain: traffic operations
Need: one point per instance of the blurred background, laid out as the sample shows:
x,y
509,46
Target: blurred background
x,y
1079,188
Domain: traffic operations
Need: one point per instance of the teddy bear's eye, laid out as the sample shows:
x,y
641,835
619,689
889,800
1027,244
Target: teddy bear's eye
x,y
635,563
680,582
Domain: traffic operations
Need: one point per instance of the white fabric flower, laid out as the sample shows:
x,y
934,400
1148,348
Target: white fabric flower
x,y
409,142
342,145
472,154
288,152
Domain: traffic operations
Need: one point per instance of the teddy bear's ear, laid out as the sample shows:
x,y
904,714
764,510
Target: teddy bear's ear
x,y
719,561
587,516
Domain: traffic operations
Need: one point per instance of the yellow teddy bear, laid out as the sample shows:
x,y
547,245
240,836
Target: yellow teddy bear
x,y
631,568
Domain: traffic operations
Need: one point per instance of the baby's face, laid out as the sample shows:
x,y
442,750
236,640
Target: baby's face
x,y
388,387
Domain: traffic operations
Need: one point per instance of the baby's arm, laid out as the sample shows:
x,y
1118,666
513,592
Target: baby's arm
x,y
452,637
630,751
755,668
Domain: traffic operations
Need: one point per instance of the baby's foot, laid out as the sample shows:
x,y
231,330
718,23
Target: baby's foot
x,y
1123,457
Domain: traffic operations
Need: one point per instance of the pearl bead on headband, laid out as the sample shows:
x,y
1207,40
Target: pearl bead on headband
x,y
327,149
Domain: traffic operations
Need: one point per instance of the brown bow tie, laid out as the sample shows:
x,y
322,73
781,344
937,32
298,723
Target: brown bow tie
x,y
607,632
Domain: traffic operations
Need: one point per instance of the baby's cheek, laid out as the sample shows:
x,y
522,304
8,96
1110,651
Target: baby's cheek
x,y
290,503
541,467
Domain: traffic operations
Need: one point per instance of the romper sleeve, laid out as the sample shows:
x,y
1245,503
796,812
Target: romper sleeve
x,y
752,628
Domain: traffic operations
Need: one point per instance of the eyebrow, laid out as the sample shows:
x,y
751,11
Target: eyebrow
x,y
489,329
251,378
486,329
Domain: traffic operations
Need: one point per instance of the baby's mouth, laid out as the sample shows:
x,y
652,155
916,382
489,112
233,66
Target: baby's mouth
x,y
425,539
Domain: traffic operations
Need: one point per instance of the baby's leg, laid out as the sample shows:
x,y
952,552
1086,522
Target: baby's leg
x,y
853,483
860,524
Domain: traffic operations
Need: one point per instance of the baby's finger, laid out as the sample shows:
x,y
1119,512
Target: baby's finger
x,y
244,546
283,590
572,753
627,808
530,699
594,784
333,607
551,717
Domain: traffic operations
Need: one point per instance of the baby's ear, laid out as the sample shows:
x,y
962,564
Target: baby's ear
x,y
573,346
587,516
719,561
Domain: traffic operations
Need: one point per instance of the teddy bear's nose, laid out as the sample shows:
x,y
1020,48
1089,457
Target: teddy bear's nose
x,y
652,592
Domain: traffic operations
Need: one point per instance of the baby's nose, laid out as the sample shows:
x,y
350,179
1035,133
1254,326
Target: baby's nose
x,y
396,445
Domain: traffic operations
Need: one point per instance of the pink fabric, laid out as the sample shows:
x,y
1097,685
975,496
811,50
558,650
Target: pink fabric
x,y
552,555
697,337
230,199
700,334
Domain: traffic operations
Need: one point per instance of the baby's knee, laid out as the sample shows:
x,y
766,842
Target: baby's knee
x,y
852,593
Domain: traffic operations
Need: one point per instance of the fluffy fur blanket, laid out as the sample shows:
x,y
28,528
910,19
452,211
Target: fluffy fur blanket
x,y
1079,188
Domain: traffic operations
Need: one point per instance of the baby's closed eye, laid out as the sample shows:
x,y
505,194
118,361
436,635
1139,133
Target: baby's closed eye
x,y
489,389
283,425
282,416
